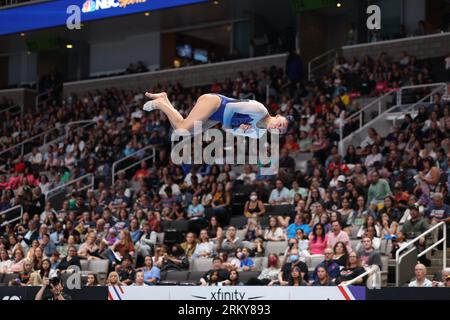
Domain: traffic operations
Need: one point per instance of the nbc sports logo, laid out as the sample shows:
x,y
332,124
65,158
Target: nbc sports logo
x,y
93,5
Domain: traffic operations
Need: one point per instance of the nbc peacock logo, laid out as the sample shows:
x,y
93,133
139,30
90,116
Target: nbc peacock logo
x,y
88,6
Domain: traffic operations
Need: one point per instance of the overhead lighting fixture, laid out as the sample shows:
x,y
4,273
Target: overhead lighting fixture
x,y
22,34
147,14
216,2
69,46
338,4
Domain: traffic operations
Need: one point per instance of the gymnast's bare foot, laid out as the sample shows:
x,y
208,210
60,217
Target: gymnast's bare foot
x,y
158,100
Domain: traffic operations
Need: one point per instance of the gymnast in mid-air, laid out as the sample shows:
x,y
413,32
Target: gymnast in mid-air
x,y
242,116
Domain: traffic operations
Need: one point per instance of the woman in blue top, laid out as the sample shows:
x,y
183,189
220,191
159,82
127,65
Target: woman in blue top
x,y
245,117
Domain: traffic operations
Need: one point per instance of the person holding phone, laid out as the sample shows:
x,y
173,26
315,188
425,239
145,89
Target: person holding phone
x,y
55,287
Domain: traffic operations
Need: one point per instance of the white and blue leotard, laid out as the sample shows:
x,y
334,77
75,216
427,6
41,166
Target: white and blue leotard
x,y
234,112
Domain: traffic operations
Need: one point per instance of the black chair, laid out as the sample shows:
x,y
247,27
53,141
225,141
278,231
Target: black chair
x,y
9,276
264,221
281,210
165,225
238,222
180,225
244,276
163,275
177,276
195,276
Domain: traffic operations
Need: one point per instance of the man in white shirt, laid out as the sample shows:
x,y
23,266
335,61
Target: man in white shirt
x,y
175,188
187,179
279,195
248,176
35,157
421,280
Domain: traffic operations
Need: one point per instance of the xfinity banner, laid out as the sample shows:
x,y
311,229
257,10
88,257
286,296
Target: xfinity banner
x,y
56,13
240,293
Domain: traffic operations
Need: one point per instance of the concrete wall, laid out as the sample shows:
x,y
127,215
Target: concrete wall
x,y
22,97
423,47
188,76
117,55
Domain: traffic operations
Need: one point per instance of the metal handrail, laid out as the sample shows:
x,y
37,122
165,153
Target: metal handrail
x,y
21,144
45,134
311,68
113,168
63,186
12,220
37,103
341,142
377,100
414,105
407,245
370,270
399,96
361,112
12,107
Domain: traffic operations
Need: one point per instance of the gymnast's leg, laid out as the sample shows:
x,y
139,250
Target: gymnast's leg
x,y
205,106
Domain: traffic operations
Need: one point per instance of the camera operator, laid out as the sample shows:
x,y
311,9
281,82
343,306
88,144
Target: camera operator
x,y
55,287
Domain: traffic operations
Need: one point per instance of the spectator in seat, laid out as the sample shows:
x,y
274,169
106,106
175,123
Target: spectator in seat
x,y
17,261
205,248
47,245
113,279
330,266
215,231
340,254
5,261
233,279
248,176
369,256
252,230
414,227
176,261
421,277
246,263
254,208
441,278
127,274
378,190
71,260
222,274
274,232
269,274
190,244
437,212
139,280
390,208
89,250
291,260
352,270
196,214
220,203
337,235
297,224
323,278
279,195
318,239
295,277
121,247
92,280
147,241
369,221
152,273
231,241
